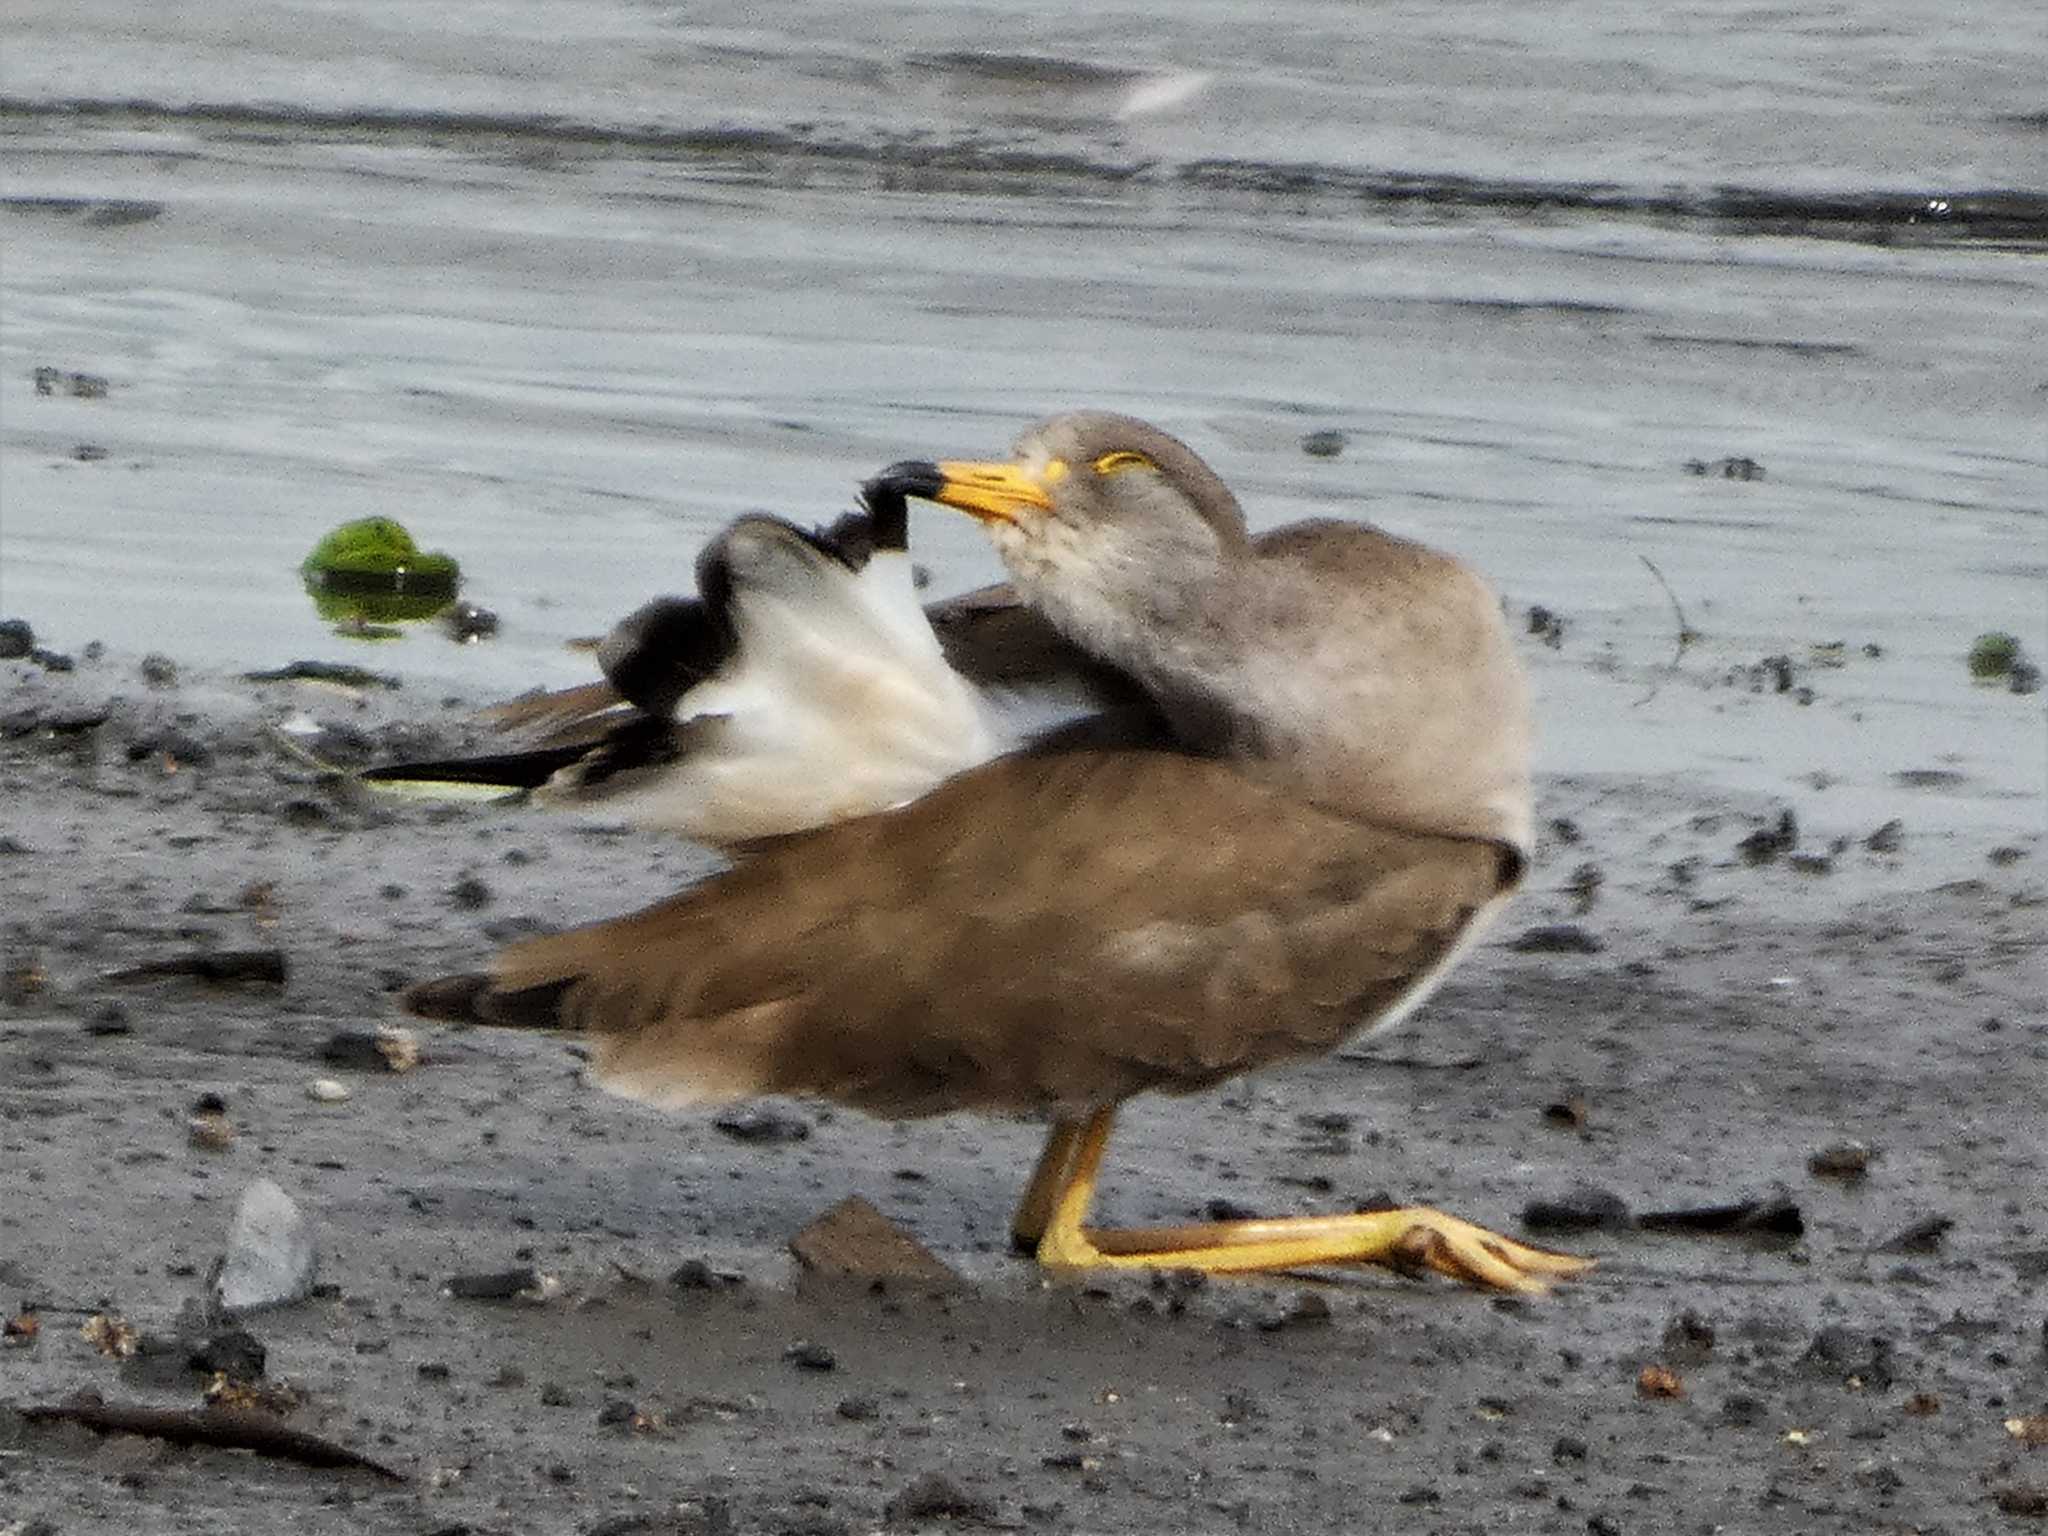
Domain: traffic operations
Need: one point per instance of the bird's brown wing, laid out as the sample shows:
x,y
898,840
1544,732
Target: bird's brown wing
x,y
1050,930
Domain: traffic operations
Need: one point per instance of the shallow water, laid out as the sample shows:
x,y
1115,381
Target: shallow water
x,y
565,287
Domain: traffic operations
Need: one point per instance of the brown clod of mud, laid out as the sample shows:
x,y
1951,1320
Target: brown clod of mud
x,y
855,1241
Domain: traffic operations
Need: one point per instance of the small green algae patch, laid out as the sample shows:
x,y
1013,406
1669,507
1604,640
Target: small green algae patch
x,y
1993,655
379,547
370,572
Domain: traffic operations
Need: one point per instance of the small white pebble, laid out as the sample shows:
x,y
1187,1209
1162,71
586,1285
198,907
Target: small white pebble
x,y
325,1090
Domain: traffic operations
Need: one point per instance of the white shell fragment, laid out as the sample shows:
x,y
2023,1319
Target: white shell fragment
x,y
270,1259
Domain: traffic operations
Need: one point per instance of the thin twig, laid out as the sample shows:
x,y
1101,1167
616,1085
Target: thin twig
x,y
224,1429
1686,633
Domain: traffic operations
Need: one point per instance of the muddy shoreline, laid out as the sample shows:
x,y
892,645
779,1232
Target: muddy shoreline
x,y
1737,1016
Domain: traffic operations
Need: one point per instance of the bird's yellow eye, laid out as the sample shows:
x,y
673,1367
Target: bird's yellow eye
x,y
1123,459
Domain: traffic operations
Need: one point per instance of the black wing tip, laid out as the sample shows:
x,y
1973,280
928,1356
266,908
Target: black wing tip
x,y
507,770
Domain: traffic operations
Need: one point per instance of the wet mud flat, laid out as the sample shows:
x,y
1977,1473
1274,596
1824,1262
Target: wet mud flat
x,y
1727,1008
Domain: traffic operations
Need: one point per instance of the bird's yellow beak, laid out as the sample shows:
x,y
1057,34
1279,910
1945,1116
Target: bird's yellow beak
x,y
998,493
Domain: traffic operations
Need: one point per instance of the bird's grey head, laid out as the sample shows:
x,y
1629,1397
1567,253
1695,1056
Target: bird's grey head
x,y
1104,520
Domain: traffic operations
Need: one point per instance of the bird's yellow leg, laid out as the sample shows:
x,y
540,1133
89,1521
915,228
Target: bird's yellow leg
x,y
1413,1237
1048,1179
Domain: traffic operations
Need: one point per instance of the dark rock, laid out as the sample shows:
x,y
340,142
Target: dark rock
x,y
1547,625
178,746
16,639
762,1126
236,1351
1886,839
2022,1500
466,623
158,670
1742,1411
1584,1209
324,672
696,1275
497,1285
617,1411
1922,1236
1568,1450
1421,1493
1849,1160
1326,444
469,893
1765,844
1688,1339
52,661
1773,1215
806,1356
1307,1309
435,1370
111,1019
858,1410
1557,939
1855,1359
935,1496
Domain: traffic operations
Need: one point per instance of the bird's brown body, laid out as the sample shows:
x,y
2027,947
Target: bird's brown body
x,y
1336,802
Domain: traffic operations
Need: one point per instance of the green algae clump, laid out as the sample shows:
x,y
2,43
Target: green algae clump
x,y
378,549
1992,656
371,572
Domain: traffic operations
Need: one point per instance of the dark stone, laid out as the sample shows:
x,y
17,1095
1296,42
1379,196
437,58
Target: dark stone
x,y
16,639
500,1285
935,1496
236,1351
1765,844
1567,1450
1688,1339
806,1356
51,661
858,1410
467,623
617,1411
1326,444
696,1275
112,1019
1584,1209
1848,1356
1557,939
158,670
760,1126
469,893
1743,1411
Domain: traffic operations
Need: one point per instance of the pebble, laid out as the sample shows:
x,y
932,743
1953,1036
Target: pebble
x,y
806,1356
1842,1160
1326,444
326,1090
235,1351
271,1259
1583,1209
769,1127
16,639
934,1496
1557,939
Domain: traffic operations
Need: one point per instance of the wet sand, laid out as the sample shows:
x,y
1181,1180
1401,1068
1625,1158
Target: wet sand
x,y
1739,1018
565,319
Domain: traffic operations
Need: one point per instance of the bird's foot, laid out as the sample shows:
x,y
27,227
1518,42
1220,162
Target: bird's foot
x,y
1411,1238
